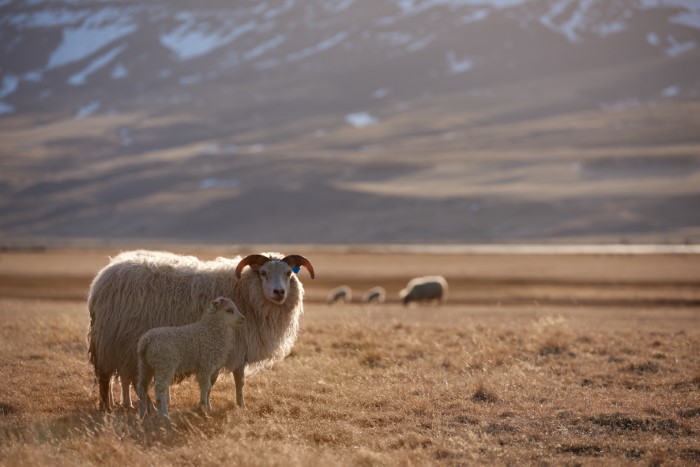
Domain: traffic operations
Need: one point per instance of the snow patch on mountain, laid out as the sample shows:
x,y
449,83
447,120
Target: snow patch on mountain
x,y
671,91
119,71
361,119
97,31
275,12
264,47
677,49
88,109
80,78
322,46
475,16
457,65
193,39
48,18
9,85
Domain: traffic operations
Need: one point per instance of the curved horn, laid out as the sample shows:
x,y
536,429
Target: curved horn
x,y
250,260
298,260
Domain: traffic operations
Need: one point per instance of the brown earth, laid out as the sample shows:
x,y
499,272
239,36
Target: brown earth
x,y
534,358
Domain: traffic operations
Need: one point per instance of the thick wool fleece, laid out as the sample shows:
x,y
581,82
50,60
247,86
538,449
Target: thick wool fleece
x,y
141,290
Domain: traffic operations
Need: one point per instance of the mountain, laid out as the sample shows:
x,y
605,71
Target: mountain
x,y
345,121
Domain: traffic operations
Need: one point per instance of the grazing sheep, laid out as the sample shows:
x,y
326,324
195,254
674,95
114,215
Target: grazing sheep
x,y
375,294
339,294
199,348
425,288
141,290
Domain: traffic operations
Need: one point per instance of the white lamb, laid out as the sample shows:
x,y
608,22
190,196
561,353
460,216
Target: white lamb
x,y
341,293
200,348
375,294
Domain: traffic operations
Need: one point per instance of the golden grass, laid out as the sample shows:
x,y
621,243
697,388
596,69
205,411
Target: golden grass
x,y
364,388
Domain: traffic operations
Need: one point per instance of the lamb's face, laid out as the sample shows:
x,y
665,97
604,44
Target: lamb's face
x,y
275,277
228,308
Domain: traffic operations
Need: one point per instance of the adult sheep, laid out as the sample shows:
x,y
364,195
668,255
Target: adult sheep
x,y
423,289
141,290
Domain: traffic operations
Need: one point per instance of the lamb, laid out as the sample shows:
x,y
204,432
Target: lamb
x,y
342,293
199,348
141,290
375,294
424,288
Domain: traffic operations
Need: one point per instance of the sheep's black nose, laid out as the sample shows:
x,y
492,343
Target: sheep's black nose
x,y
278,292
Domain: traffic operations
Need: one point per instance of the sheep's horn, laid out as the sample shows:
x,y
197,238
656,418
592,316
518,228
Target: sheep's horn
x,y
298,260
250,260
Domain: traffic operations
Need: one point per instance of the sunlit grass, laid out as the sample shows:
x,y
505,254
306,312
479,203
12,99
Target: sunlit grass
x,y
370,392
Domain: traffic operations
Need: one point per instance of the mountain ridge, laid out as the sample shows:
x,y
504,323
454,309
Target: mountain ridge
x,y
395,121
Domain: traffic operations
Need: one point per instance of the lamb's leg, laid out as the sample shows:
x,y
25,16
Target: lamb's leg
x,y
144,379
162,384
204,390
212,379
239,378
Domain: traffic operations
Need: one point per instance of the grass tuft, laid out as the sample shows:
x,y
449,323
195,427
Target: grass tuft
x,y
483,394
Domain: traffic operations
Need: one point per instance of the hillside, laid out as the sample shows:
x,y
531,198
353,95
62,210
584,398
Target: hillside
x,y
351,122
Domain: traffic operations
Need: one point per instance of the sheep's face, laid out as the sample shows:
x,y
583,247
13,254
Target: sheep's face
x,y
275,274
275,277
230,311
406,295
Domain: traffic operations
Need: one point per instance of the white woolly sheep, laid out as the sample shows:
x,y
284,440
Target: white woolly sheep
x,y
425,288
200,348
375,294
141,290
342,293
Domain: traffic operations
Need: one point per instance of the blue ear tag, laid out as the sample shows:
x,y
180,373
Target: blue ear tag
x,y
296,269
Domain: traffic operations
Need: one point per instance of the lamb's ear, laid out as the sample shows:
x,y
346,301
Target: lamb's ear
x,y
298,260
254,261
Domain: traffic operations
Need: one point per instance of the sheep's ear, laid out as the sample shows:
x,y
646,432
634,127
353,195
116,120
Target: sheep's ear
x,y
298,260
254,261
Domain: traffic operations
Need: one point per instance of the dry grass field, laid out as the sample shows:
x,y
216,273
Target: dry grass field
x,y
563,359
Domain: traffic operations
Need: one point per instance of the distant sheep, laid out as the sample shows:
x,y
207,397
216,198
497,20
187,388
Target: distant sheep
x,y
200,348
141,290
339,294
374,295
422,289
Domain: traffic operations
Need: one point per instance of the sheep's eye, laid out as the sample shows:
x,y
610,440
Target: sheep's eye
x,y
289,274
263,273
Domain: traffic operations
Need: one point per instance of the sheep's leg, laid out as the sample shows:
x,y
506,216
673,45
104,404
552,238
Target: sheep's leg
x,y
104,383
239,378
126,393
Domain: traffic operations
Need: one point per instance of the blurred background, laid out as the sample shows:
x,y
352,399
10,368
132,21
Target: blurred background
x,y
341,121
